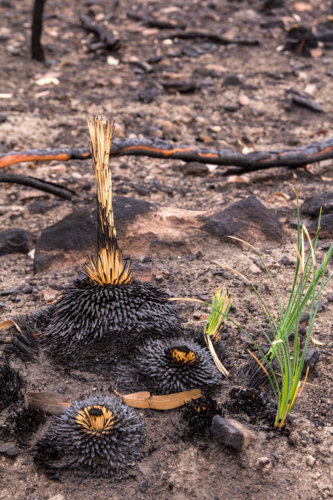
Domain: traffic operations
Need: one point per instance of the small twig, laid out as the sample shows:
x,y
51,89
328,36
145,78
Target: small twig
x,y
48,187
109,41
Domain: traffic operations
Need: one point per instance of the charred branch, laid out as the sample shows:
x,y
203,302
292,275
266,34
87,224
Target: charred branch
x,y
37,51
257,160
48,187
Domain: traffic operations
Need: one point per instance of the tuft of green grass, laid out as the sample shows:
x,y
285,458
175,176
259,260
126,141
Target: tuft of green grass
x,y
308,284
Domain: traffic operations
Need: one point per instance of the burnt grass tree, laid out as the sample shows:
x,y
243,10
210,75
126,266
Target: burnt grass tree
x,y
169,366
11,385
107,314
37,51
99,436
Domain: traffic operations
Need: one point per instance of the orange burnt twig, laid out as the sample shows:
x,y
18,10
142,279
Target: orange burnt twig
x,y
257,160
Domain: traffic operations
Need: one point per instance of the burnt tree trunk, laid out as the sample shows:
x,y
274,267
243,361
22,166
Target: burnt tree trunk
x,y
37,51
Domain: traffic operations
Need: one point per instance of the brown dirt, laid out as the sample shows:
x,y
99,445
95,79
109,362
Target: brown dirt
x,y
173,469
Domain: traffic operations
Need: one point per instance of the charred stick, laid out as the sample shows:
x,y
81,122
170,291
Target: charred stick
x,y
214,37
48,187
258,160
153,23
109,41
37,51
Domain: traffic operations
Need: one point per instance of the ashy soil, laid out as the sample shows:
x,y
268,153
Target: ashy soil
x,y
54,116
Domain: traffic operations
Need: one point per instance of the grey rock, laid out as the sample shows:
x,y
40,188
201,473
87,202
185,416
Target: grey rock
x,y
232,80
330,297
12,451
16,241
231,433
196,169
2,305
313,204
10,291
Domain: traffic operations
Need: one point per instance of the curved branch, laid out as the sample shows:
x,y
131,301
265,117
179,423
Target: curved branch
x,y
48,187
258,160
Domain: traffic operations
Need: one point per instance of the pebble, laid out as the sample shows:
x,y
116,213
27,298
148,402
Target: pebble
x,y
57,497
12,451
2,305
231,433
264,464
310,460
330,297
10,291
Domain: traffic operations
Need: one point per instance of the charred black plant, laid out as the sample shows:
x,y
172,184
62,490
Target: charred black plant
x,y
198,415
99,436
11,385
108,313
257,405
174,366
22,424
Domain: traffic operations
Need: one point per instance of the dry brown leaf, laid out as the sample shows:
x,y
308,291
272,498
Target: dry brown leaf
x,y
238,178
280,194
145,400
50,402
316,52
302,7
9,322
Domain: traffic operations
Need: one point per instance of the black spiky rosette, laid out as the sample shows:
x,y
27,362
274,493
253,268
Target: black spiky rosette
x,y
165,367
107,314
98,436
11,385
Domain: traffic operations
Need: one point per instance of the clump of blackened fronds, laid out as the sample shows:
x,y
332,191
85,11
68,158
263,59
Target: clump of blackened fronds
x,y
256,405
197,416
108,321
22,424
107,314
98,436
11,385
174,366
23,344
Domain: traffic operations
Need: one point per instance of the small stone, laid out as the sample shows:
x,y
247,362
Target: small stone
x,y
330,297
284,260
292,440
264,464
310,460
37,207
15,241
26,289
2,305
232,80
244,338
231,107
196,169
143,486
3,117
12,451
57,497
10,291
231,433
159,277
49,295
197,315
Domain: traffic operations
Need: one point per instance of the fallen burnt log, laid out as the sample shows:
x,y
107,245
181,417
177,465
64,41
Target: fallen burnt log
x,y
258,160
48,187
